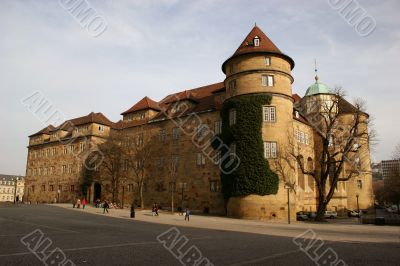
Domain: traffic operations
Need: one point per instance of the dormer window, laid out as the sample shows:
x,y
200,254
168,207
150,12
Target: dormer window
x,y
256,41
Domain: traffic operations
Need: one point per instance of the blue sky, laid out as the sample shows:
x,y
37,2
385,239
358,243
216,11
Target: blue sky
x,y
155,48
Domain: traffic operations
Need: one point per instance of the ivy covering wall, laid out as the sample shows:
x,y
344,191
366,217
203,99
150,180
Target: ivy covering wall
x,y
253,176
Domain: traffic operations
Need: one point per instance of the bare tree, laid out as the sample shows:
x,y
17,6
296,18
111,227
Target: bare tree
x,y
171,171
110,168
138,158
342,138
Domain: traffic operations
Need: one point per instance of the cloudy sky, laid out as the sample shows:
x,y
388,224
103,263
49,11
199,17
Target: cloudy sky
x,y
158,47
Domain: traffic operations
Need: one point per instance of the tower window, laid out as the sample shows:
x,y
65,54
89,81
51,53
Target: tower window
x,y
256,41
232,117
232,87
269,149
269,113
267,61
267,80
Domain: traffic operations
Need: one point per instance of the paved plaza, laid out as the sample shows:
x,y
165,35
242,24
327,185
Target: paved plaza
x,y
88,237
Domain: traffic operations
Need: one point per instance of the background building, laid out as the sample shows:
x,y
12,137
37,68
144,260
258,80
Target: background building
x,y
10,187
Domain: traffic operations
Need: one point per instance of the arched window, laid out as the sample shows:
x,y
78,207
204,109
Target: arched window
x,y
300,174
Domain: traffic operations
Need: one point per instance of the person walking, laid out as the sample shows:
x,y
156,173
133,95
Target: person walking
x,y
156,209
105,207
83,203
78,203
73,203
187,213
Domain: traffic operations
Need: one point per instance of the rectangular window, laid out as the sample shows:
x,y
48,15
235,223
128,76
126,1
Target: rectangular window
x,y
140,139
218,127
101,128
43,187
162,135
214,186
267,61
175,133
72,188
142,116
126,165
82,146
130,187
160,162
65,150
232,117
175,163
70,168
359,184
232,87
269,113
232,150
201,130
306,139
200,159
270,149
51,187
267,80
302,137
172,186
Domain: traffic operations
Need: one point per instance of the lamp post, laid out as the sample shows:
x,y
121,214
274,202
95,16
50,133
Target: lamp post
x,y
288,201
58,195
358,207
15,190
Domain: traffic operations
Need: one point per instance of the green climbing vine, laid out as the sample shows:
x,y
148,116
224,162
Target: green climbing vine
x,y
253,176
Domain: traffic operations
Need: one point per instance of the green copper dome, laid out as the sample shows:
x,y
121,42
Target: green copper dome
x,y
317,88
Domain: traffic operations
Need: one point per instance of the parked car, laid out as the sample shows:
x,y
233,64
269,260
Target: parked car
x,y
311,215
392,209
301,216
330,214
354,213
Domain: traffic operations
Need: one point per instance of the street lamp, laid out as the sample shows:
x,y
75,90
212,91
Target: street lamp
x,y
58,195
358,207
15,190
288,187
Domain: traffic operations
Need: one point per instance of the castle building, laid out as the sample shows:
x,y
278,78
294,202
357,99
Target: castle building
x,y
257,68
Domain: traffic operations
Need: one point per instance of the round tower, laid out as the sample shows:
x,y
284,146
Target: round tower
x,y
259,68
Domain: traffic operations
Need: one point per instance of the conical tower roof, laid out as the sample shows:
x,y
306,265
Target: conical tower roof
x,y
265,45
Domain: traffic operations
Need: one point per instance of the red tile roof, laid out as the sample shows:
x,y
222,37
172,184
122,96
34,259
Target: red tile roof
x,y
265,45
47,130
98,118
68,125
144,104
296,97
196,93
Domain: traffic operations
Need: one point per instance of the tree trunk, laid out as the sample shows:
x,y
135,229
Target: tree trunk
x,y
321,211
172,201
141,196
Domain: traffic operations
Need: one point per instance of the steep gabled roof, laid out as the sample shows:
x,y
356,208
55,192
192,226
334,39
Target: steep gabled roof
x,y
47,130
68,125
98,118
144,104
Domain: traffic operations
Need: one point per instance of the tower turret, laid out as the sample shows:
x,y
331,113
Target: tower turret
x,y
257,119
